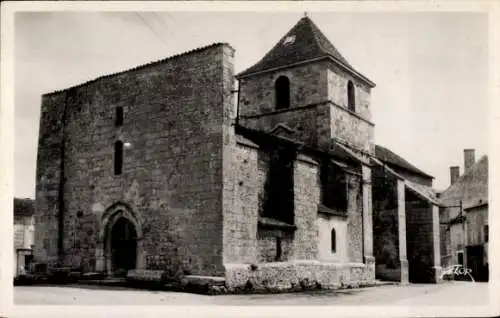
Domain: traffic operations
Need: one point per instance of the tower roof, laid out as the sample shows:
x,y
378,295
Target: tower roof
x,y
304,42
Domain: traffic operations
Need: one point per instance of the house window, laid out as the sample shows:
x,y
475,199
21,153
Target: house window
x,y
334,241
119,116
351,97
279,191
460,256
118,157
485,229
282,92
334,187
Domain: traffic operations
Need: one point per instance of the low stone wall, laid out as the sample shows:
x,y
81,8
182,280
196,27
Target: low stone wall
x,y
297,275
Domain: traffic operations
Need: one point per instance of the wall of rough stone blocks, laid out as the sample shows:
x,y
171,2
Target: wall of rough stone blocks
x,y
337,91
242,212
321,89
174,115
267,249
48,177
249,250
244,242
307,196
307,86
355,218
296,275
351,129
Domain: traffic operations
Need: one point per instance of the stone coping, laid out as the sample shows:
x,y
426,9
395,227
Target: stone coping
x,y
265,222
326,210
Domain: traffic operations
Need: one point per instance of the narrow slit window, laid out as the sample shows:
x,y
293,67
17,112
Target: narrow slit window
x,y
118,157
282,92
485,229
119,116
351,97
278,248
334,241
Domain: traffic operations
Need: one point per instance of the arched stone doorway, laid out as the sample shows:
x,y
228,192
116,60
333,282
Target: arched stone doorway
x,y
123,246
119,241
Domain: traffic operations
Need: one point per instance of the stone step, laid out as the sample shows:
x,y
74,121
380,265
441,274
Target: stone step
x,y
204,280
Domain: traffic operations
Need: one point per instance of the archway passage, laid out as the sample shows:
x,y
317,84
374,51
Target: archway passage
x,y
123,246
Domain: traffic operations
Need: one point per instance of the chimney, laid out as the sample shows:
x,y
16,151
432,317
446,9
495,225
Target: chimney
x,y
469,159
454,174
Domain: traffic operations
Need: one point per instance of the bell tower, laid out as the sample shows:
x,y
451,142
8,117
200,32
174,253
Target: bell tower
x,y
304,88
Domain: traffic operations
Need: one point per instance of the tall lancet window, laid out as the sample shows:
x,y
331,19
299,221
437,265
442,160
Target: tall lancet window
x,y
333,241
118,157
282,91
351,97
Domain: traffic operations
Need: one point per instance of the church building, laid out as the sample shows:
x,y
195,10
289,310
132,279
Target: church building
x,y
153,168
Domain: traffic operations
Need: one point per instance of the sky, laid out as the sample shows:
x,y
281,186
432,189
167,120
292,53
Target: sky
x,y
431,69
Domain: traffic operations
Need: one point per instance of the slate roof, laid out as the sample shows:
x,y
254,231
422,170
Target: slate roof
x,y
309,43
389,157
425,192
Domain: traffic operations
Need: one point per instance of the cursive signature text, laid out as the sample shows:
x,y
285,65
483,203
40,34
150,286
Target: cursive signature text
x,y
457,270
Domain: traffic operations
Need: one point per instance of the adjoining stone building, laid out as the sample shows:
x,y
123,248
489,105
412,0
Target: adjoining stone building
x,y
464,217
406,221
154,168
24,234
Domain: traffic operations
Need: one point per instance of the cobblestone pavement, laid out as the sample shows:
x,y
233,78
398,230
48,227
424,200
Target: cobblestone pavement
x,y
449,293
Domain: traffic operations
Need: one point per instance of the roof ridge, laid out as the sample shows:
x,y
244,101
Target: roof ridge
x,y
314,31
141,66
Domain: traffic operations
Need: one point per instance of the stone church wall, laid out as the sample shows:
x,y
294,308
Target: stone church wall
x,y
174,117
